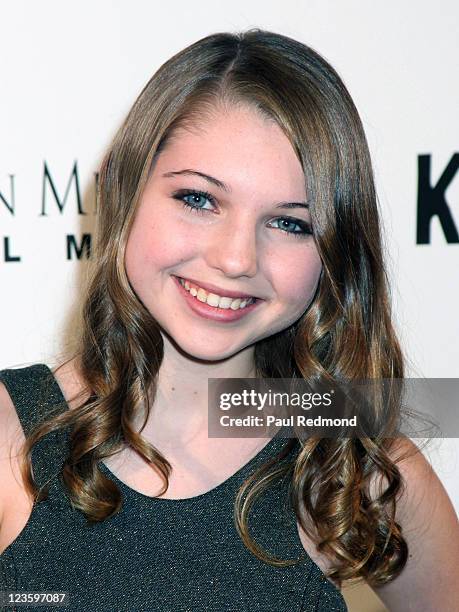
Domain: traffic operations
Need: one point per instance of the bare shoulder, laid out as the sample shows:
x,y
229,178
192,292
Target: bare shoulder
x,y
12,435
16,502
430,526
12,438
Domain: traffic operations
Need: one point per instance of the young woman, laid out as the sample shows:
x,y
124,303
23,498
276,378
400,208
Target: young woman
x,y
237,237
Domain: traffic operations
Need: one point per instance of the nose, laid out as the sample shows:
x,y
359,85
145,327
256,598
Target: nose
x,y
233,249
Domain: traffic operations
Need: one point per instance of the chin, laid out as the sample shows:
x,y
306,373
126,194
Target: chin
x,y
210,354
207,349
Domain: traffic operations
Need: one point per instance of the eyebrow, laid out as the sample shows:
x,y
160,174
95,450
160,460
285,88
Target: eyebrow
x,y
225,187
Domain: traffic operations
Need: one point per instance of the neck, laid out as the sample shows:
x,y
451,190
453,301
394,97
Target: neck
x,y
180,406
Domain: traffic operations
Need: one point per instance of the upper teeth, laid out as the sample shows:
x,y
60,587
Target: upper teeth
x,y
215,300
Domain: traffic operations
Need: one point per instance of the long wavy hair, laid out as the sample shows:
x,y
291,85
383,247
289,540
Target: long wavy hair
x,y
346,333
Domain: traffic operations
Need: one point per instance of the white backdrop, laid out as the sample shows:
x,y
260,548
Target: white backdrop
x,y
70,72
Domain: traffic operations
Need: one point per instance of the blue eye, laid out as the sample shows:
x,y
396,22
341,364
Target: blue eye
x,y
305,228
195,195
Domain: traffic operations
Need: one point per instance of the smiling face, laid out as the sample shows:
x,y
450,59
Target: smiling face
x,y
240,238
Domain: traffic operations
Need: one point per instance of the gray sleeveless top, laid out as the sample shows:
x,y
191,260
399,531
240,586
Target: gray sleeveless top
x,y
156,554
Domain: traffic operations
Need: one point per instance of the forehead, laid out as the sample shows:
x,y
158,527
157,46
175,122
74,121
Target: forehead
x,y
240,147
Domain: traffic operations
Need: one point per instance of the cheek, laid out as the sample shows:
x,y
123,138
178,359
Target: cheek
x,y
295,278
152,246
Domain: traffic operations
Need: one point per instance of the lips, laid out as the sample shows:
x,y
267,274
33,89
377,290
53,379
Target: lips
x,y
206,311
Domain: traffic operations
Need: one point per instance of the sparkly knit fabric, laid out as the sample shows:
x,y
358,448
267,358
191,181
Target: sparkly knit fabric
x,y
155,554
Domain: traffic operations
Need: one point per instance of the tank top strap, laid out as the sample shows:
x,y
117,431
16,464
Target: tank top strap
x,y
36,396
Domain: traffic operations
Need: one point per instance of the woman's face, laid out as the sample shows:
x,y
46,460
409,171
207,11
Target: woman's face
x,y
248,234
